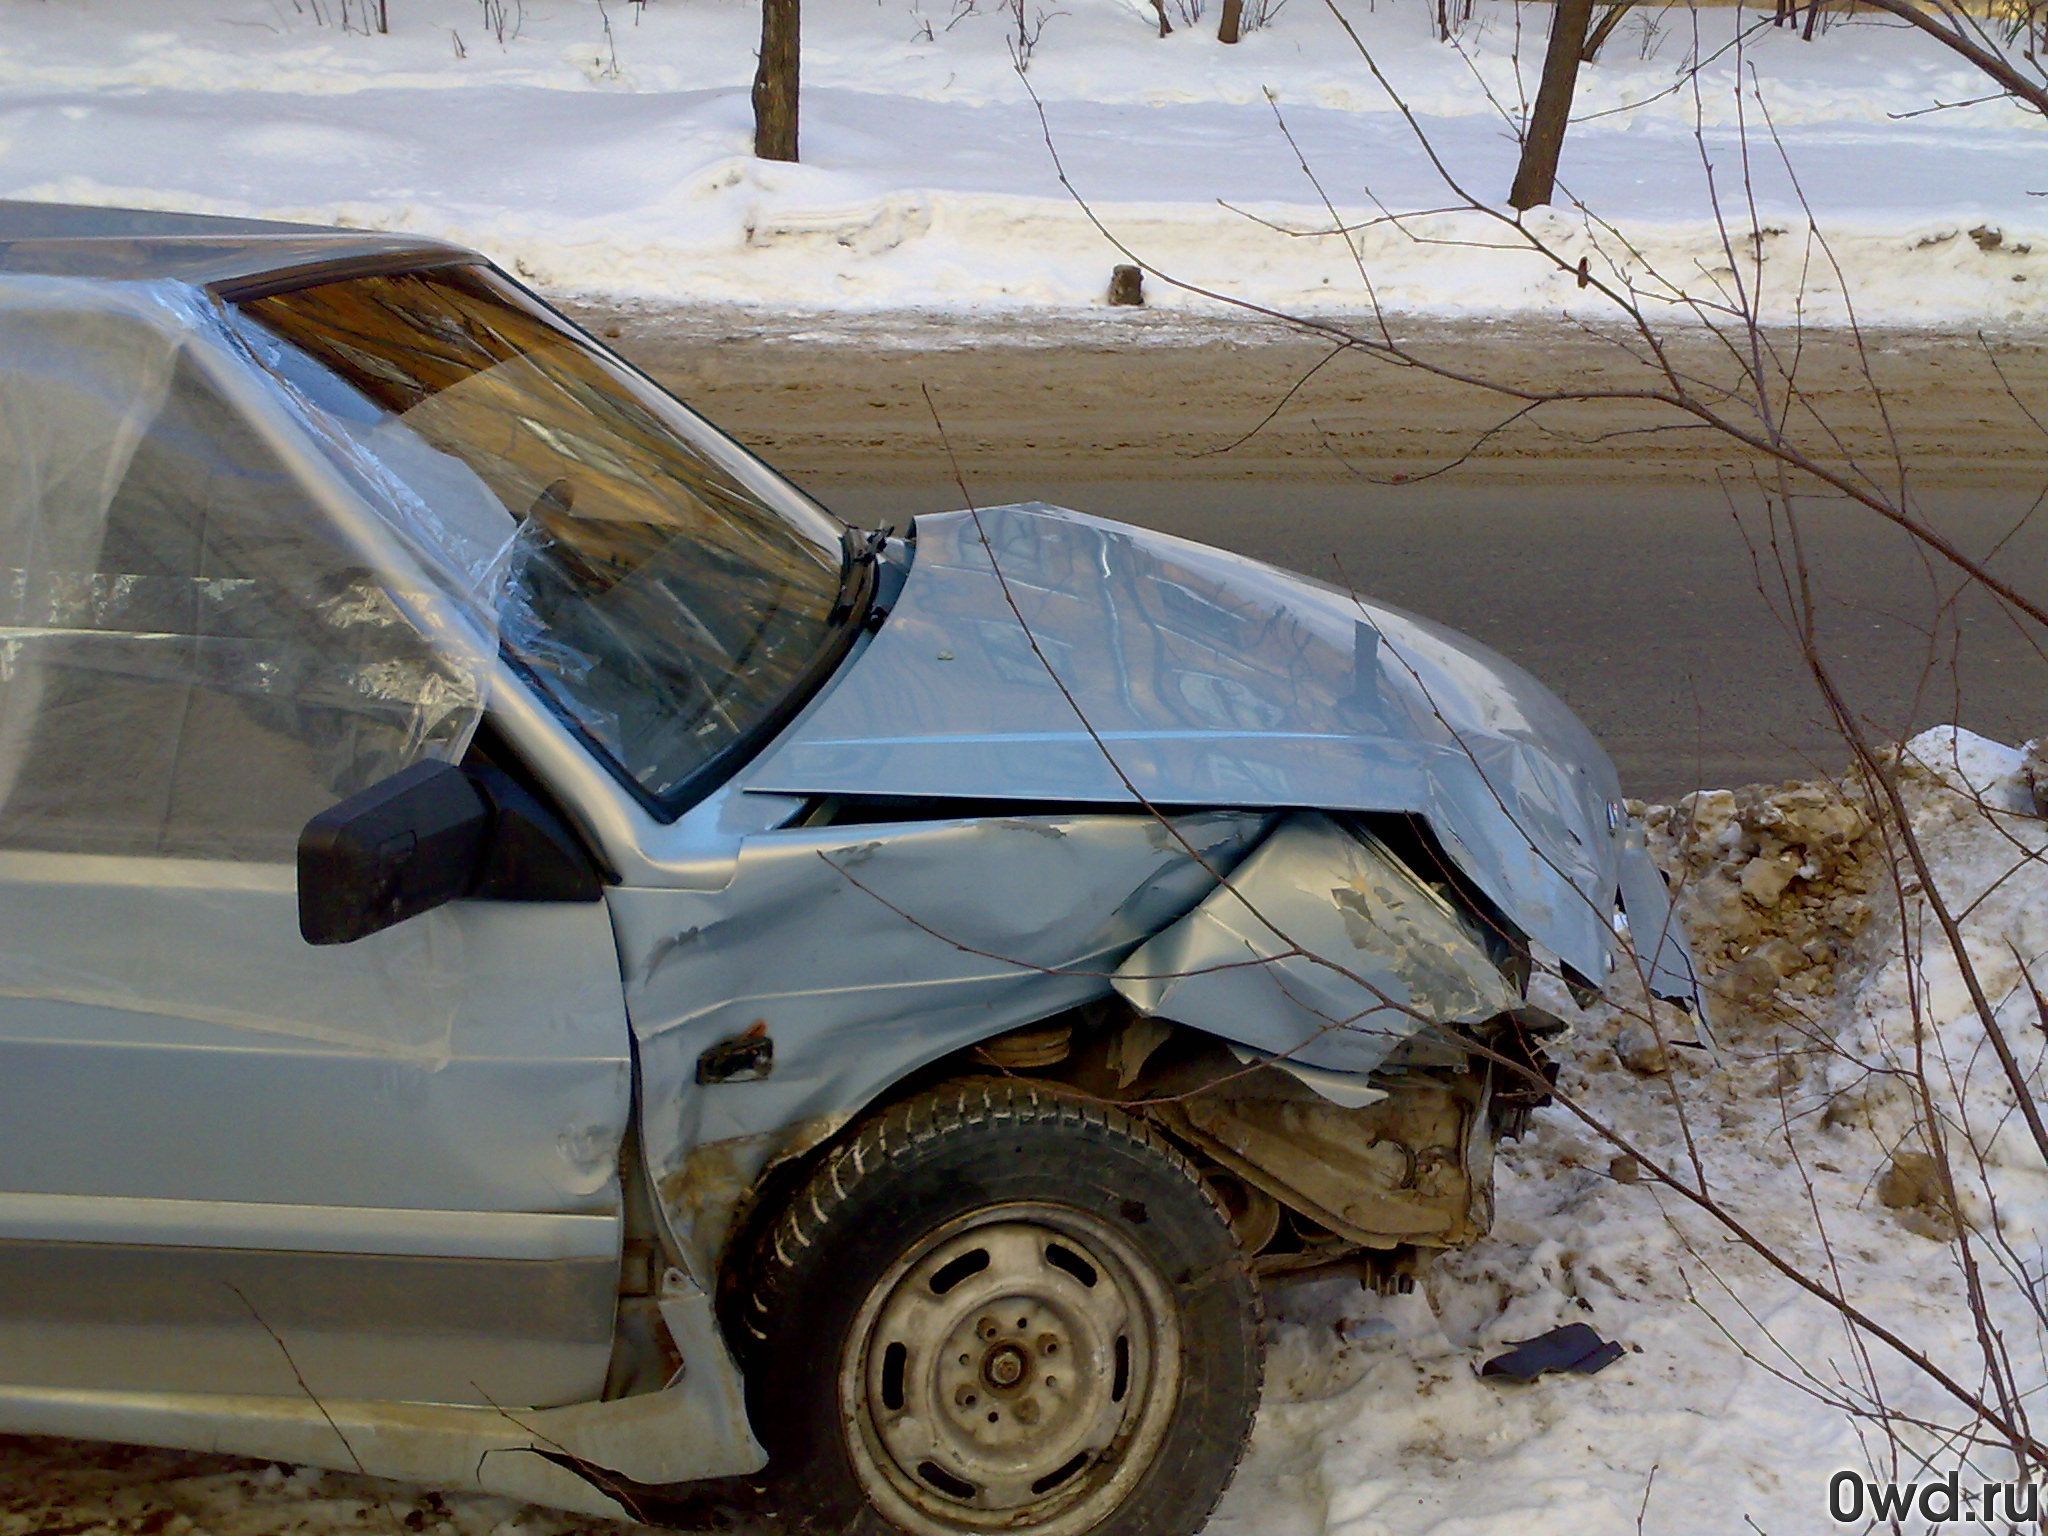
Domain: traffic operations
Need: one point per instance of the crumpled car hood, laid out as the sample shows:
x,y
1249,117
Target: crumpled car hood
x,y
1206,679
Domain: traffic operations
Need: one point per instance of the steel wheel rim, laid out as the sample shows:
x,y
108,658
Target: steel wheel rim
x,y
1016,1370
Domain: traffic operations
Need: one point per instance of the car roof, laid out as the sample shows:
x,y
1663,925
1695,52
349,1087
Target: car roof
x,y
236,258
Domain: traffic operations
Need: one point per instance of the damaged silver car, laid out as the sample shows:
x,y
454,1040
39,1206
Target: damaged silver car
x,y
533,958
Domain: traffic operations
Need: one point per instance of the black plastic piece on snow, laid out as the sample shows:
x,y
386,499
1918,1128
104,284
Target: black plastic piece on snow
x,y
1575,1347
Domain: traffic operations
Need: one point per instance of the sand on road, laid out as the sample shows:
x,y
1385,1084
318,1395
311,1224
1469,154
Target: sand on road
x,y
1135,395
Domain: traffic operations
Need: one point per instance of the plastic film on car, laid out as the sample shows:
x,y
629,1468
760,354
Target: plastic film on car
x,y
208,633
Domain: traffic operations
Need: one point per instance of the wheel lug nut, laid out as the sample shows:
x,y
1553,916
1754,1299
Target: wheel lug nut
x,y
964,1398
1028,1410
1005,1367
986,1328
1048,1344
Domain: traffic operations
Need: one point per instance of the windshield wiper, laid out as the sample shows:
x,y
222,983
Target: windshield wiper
x,y
859,551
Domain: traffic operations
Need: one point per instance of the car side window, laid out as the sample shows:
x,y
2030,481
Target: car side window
x,y
222,672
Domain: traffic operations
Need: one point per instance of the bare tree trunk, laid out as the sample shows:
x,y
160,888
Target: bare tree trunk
x,y
1605,29
1536,177
1233,20
775,82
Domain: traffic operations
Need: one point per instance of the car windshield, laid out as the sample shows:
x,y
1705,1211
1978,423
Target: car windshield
x,y
669,592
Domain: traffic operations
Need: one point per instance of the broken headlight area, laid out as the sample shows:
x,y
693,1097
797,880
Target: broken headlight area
x,y
1319,1172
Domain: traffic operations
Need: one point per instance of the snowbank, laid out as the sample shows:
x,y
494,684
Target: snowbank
x,y
603,148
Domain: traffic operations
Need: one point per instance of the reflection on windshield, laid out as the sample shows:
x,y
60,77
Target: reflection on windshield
x,y
665,589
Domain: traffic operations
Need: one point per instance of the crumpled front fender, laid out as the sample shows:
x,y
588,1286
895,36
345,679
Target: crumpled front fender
x,y
1322,948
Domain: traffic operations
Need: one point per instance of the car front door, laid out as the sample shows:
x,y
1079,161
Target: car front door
x,y
231,1161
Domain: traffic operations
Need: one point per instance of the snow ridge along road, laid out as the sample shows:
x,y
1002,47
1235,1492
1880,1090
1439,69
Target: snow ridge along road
x,y
605,150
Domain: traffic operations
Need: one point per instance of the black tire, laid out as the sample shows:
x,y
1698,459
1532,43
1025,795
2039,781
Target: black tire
x,y
878,1330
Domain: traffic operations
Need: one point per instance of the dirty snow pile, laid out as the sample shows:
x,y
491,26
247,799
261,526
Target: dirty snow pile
x,y
1739,1395
603,145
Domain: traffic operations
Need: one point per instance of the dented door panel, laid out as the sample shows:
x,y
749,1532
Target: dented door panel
x,y
399,1157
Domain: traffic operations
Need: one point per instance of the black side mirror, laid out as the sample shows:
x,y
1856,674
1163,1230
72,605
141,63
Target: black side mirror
x,y
428,835
403,846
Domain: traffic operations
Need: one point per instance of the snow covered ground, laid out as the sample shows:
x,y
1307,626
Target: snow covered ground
x,y
604,148
1735,1401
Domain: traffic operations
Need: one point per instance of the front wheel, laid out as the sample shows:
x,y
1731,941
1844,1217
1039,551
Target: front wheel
x,y
1003,1307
